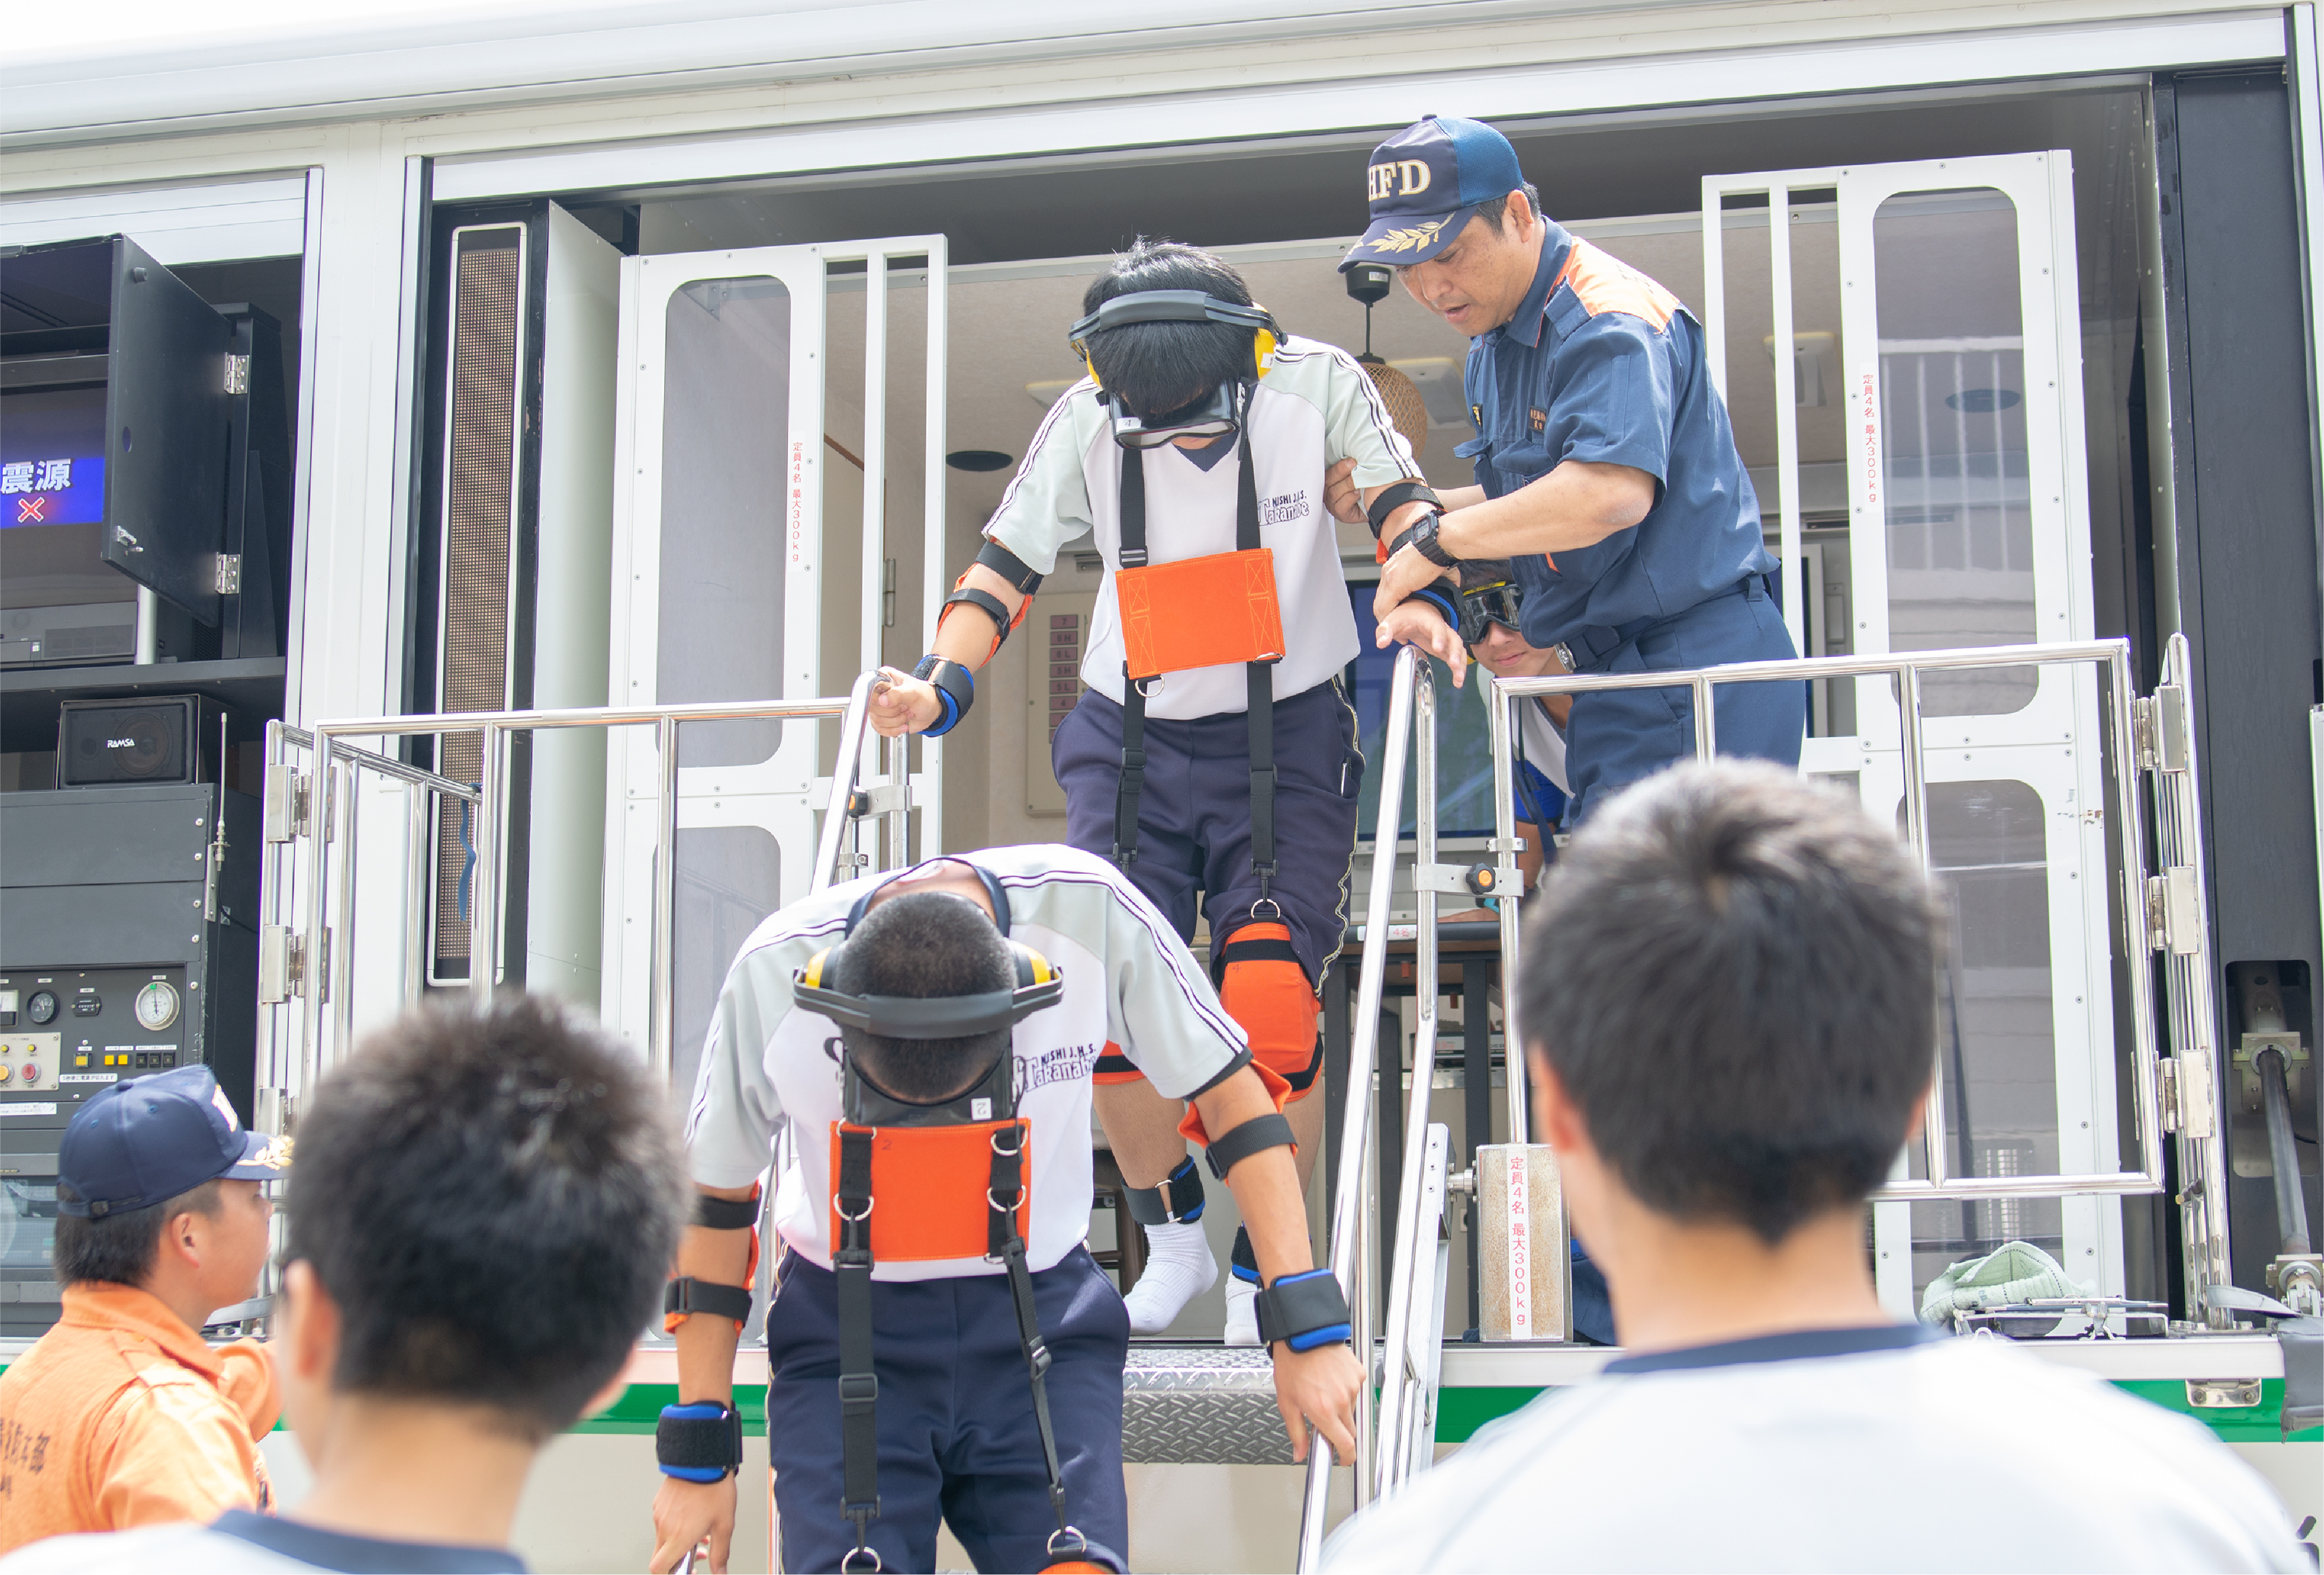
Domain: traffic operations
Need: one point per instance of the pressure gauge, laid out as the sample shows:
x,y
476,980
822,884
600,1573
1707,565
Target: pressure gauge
x,y
42,1007
156,1007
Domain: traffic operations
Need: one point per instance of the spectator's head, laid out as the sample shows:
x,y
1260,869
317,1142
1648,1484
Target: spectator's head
x,y
924,944
1729,1001
160,1186
1157,369
484,1211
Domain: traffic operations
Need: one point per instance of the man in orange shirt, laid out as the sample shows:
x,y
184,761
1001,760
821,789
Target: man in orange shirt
x,y
122,1415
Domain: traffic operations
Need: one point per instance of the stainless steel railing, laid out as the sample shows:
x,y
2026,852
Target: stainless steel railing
x,y
314,961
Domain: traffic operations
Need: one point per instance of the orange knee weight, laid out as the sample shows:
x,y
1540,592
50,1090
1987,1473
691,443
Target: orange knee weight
x,y
1264,988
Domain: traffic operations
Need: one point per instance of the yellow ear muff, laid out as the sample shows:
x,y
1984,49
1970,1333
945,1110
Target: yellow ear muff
x,y
812,975
1090,367
1032,968
1262,345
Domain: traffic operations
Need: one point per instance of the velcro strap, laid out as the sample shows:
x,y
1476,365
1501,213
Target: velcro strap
x,y
685,1297
955,682
1267,1132
701,1442
726,1213
1396,496
1008,566
986,603
1177,1200
1258,949
1303,1311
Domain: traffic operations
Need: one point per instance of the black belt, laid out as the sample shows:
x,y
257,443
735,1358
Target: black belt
x,y
1592,645
1260,680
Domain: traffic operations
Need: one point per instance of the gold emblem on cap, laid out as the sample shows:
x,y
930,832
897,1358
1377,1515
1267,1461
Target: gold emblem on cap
x,y
1408,240
276,1154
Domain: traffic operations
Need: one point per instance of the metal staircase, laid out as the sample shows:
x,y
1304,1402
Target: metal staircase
x,y
1206,1403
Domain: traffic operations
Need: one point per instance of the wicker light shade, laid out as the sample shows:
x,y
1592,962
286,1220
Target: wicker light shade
x,y
1405,407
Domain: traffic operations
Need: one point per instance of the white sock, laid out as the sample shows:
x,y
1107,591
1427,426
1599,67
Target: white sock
x,y
1179,1267
1242,1312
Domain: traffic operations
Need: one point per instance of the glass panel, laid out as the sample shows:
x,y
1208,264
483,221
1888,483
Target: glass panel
x,y
729,877
1953,390
1464,745
726,417
1988,850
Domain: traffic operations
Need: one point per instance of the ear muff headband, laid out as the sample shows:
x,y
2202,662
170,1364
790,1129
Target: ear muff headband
x,y
1039,983
1179,306
993,890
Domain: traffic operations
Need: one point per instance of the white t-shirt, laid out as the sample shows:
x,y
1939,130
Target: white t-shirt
x,y
1811,1452
1543,743
242,1543
1313,409
1129,983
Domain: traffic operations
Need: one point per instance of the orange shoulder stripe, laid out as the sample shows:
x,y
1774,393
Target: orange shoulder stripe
x,y
1603,282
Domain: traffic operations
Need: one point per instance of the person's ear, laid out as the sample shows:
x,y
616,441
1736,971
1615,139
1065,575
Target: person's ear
x,y
1920,1112
1556,1119
307,1323
186,1238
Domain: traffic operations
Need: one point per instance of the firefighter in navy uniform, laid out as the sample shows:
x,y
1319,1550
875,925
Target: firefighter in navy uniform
x,y
1606,471
1606,468
940,1343
1213,752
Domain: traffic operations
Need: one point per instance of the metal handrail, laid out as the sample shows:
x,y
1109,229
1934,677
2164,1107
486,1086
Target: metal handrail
x,y
1905,667
329,874
1351,1198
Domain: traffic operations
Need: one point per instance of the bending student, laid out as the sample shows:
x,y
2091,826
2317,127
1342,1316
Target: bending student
x,y
1778,950
482,1211
1213,750
122,1415
940,1344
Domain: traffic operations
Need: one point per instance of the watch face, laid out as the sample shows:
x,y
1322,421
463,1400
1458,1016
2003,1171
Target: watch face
x,y
157,1006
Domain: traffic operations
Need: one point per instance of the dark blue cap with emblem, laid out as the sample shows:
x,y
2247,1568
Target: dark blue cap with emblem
x,y
1423,184
145,1141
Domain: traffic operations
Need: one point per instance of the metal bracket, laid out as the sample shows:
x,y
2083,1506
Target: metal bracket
x,y
281,965
237,374
2245,1059
2174,922
2189,1099
887,798
289,797
2222,1393
229,574
2159,724
1447,878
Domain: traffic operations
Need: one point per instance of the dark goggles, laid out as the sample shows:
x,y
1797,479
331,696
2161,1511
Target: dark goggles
x,y
1215,415
1498,602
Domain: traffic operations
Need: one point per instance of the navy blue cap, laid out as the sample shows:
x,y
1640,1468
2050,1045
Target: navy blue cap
x,y
1425,183
144,1142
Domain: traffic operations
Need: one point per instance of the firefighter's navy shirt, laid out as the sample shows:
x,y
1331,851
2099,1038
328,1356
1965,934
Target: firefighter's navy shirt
x,y
1603,364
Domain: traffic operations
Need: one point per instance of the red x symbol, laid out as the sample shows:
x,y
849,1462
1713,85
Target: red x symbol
x,y
29,510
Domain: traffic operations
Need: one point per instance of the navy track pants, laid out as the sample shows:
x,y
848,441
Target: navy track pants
x,y
957,1433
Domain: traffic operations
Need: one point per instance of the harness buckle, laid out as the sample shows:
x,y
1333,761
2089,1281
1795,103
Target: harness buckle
x,y
859,1389
1274,908
838,1207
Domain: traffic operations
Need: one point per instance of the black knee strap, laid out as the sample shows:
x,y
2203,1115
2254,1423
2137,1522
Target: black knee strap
x,y
1267,1132
1304,1078
1177,1200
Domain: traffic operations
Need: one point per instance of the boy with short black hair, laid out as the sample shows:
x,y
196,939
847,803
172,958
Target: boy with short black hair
x,y
1728,1002
484,1213
122,1415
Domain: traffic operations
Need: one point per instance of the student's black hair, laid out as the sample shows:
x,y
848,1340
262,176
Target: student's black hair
x,y
1733,973
493,1201
922,945
120,1249
1160,368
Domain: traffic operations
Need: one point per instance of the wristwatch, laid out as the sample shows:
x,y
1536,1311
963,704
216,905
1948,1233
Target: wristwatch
x,y
1423,540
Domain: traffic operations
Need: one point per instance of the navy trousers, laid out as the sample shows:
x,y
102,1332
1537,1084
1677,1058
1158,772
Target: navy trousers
x,y
957,1433
1194,817
1617,736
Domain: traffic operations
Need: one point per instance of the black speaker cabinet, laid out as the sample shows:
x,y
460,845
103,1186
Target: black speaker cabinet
x,y
137,744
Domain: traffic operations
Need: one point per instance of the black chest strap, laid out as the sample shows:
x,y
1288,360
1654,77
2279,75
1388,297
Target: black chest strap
x,y
1259,694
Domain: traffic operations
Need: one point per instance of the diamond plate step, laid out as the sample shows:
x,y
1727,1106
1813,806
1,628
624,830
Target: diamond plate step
x,y
1201,1404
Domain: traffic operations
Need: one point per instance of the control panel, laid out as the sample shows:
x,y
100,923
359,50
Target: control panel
x,y
70,1033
